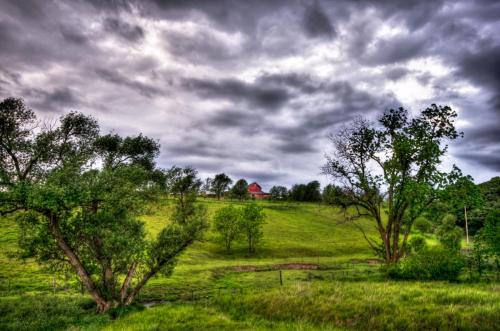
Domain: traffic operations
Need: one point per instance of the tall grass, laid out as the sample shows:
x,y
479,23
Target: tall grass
x,y
342,294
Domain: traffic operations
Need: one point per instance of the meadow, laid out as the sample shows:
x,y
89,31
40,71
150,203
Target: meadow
x,y
311,272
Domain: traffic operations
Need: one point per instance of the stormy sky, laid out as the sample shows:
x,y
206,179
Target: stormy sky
x,y
253,88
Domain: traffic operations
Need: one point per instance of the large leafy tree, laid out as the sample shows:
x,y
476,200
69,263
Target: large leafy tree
x,y
391,170
278,193
240,189
78,196
463,196
220,183
306,192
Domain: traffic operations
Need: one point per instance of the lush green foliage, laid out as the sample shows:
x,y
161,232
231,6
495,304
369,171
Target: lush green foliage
x,y
251,221
449,234
432,264
227,225
340,295
305,192
392,169
219,184
240,190
417,244
278,193
77,216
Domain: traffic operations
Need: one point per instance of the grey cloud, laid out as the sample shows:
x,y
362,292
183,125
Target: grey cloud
x,y
55,100
300,81
113,5
119,79
123,29
296,146
396,73
233,89
277,115
483,68
29,9
487,159
239,119
317,23
414,13
260,175
73,35
198,148
398,49
201,47
481,144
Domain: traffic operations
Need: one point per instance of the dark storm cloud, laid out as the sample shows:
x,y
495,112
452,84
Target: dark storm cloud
x,y
114,5
317,23
483,68
398,49
236,90
123,29
345,103
396,73
56,100
198,148
28,10
489,159
228,14
230,118
200,47
414,13
300,81
254,87
73,35
117,78
482,145
260,175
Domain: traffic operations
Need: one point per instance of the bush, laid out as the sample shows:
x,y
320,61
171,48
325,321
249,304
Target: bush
x,y
449,234
436,264
423,225
226,224
417,243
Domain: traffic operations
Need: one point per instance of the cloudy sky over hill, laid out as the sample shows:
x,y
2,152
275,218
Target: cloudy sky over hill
x,y
253,88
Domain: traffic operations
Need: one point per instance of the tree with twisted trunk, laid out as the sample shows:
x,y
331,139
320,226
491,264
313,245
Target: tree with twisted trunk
x,y
391,170
77,196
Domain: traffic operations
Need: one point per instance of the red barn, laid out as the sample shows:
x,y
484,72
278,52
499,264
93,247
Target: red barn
x,y
255,191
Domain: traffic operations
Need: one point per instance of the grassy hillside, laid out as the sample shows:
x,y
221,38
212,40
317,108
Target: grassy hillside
x,y
211,290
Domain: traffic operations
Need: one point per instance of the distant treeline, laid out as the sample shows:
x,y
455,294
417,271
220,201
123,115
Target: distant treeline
x,y
220,186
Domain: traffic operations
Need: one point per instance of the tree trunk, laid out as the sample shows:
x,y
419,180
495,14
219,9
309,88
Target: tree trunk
x,y
130,298
395,243
102,304
127,281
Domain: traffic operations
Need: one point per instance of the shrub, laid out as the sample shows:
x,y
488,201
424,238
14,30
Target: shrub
x,y
436,264
417,243
423,225
251,221
449,234
227,225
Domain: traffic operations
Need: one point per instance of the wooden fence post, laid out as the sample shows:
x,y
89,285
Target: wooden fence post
x,y
281,279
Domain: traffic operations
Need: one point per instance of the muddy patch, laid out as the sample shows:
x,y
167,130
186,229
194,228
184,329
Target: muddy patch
x,y
282,266
365,261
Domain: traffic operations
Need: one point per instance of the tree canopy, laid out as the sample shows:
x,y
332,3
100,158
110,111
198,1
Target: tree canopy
x,y
78,195
392,168
240,190
220,183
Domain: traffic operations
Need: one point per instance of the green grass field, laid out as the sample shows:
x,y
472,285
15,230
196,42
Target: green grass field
x,y
211,290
